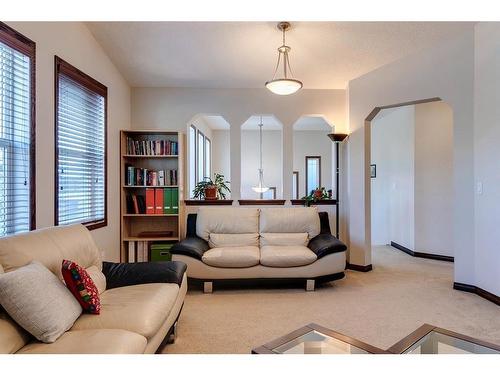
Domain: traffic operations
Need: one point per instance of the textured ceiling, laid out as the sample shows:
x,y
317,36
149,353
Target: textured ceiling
x,y
325,55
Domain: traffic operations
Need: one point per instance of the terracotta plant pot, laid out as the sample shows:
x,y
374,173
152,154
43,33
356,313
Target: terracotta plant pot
x,y
211,193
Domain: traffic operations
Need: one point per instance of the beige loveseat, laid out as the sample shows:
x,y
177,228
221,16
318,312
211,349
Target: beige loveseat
x,y
268,243
133,319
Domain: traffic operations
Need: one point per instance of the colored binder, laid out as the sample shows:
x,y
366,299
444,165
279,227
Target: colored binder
x,y
158,201
175,200
167,201
150,201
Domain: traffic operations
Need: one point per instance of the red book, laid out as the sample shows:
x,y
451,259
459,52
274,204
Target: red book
x,y
158,201
150,201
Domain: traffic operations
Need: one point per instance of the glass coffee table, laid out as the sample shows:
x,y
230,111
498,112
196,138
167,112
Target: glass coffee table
x,y
315,339
429,339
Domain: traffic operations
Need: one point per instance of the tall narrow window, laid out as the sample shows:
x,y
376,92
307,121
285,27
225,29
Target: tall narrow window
x,y
208,159
17,132
200,156
313,173
80,148
192,159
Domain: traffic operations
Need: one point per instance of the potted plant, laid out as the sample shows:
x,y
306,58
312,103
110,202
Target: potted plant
x,y
317,194
211,189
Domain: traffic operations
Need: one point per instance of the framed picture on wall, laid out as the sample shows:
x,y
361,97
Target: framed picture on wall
x,y
373,170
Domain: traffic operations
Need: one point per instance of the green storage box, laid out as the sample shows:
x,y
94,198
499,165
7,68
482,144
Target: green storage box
x,y
160,252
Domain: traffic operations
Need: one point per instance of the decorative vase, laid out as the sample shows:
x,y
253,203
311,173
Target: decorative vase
x,y
211,193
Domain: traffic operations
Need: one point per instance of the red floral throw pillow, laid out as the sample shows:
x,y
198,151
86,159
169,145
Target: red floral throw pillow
x,y
81,286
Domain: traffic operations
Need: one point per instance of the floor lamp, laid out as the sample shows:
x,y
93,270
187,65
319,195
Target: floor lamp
x,y
337,139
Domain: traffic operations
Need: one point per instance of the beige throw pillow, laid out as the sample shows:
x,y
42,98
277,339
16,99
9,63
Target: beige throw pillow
x,y
38,301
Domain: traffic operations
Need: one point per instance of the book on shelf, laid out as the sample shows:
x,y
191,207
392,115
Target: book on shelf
x,y
131,252
156,202
149,177
159,147
136,204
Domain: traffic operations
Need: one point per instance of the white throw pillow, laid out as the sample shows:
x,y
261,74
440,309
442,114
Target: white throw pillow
x,y
38,301
283,239
233,239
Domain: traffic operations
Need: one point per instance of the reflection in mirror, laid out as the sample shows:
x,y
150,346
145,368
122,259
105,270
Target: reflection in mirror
x,y
313,156
272,157
208,149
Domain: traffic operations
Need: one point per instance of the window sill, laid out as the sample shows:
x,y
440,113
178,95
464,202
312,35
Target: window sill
x,y
96,224
202,202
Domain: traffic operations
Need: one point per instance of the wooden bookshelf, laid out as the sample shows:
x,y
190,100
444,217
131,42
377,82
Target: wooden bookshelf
x,y
133,224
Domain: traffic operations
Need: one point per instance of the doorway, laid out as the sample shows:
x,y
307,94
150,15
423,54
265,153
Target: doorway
x,y
411,179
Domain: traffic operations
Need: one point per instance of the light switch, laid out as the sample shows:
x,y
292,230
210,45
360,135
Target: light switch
x,y
479,188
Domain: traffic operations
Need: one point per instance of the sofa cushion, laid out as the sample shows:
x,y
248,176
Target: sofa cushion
x,y
50,246
12,336
286,256
232,257
290,220
38,301
283,239
138,308
226,220
97,277
233,239
91,341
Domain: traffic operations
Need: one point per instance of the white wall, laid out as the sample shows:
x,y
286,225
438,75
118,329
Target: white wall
x,y
434,179
444,71
271,161
487,156
313,143
392,198
173,108
221,153
73,42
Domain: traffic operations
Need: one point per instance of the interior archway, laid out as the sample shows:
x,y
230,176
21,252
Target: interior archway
x,y
272,157
208,149
409,195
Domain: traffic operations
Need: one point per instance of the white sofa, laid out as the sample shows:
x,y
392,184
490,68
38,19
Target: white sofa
x,y
268,243
140,302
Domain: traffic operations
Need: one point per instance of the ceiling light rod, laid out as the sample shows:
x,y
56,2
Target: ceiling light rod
x,y
285,85
260,188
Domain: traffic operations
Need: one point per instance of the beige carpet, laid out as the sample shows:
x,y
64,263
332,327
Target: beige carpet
x,y
379,307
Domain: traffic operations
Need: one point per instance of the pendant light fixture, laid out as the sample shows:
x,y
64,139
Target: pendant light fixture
x,y
260,188
284,85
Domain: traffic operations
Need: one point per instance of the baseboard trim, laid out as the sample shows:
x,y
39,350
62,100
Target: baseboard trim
x,y
357,267
417,254
480,292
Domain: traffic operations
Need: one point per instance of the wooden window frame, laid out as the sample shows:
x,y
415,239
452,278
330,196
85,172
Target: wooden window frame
x,y
26,46
63,67
307,172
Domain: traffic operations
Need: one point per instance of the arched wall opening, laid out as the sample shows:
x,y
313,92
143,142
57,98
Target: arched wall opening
x,y
409,178
272,157
208,149
313,156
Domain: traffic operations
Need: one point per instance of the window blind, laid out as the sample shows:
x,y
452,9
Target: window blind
x,y
15,138
81,153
